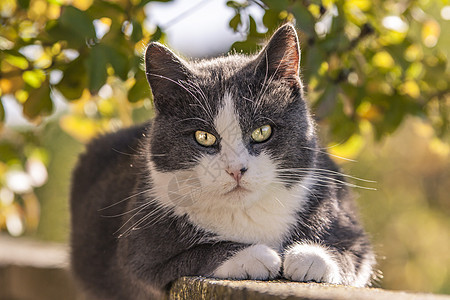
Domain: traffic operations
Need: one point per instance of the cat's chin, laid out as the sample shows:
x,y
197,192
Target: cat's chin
x,y
240,196
237,190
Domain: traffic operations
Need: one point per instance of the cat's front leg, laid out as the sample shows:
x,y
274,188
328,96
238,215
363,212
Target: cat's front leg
x,y
311,262
254,262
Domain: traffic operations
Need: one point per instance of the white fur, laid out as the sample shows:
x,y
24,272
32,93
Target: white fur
x,y
365,272
311,262
261,211
254,262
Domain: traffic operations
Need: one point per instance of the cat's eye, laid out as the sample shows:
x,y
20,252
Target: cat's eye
x,y
262,134
205,138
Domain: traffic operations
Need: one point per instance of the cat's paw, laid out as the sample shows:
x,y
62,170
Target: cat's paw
x,y
255,262
308,262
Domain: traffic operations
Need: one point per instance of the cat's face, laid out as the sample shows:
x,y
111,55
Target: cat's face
x,y
229,132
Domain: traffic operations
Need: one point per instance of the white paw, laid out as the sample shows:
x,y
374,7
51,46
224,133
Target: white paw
x,y
305,262
255,262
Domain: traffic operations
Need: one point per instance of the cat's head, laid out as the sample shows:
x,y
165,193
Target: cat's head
x,y
229,131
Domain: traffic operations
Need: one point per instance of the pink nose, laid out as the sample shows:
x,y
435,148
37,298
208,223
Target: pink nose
x,y
236,173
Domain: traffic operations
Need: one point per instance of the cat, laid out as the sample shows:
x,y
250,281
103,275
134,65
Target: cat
x,y
226,181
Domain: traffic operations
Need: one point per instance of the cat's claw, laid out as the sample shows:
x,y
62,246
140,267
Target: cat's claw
x,y
307,262
255,262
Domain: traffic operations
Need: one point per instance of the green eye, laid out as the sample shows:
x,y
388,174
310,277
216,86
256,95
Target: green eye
x,y
205,138
262,133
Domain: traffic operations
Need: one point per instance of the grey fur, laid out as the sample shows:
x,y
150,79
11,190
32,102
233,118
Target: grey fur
x,y
116,255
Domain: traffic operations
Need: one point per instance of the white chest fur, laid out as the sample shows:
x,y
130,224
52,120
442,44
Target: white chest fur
x,y
266,221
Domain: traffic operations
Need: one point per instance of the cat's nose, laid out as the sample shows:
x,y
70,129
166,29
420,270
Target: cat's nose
x,y
236,173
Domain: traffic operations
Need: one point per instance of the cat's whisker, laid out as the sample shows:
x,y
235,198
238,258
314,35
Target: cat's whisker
x,y
192,119
207,109
248,99
123,153
326,152
155,199
326,179
180,84
138,222
141,207
123,200
271,78
318,170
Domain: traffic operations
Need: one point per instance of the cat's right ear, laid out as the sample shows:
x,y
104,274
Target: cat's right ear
x,y
165,71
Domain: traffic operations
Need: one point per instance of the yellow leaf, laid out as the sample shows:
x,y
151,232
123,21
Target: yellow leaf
x,y
34,78
105,107
21,96
430,33
314,9
10,85
383,60
82,4
7,8
17,61
37,8
410,88
363,5
367,111
82,129
350,149
413,53
439,147
414,71
53,11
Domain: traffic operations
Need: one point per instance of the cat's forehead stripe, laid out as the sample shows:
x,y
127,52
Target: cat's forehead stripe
x,y
226,121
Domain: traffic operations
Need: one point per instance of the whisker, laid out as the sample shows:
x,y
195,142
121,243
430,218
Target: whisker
x,y
327,171
123,200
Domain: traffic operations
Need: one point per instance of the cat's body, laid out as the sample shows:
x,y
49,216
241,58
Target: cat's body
x,y
227,181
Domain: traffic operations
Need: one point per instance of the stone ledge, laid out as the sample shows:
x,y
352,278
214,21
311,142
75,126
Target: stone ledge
x,y
205,289
34,270
39,271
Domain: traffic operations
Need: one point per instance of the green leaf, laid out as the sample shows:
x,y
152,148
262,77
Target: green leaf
x,y
39,102
279,5
117,59
56,31
271,19
140,89
78,22
96,68
74,80
157,35
24,4
144,2
236,5
102,8
305,20
136,35
327,102
235,22
2,111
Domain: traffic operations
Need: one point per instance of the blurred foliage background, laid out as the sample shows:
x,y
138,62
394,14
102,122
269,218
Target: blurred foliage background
x,y
376,74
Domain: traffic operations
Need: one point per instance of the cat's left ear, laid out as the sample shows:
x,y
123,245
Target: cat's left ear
x,y
280,58
165,72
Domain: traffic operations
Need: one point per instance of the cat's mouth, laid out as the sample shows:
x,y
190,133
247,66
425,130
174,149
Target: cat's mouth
x,y
237,189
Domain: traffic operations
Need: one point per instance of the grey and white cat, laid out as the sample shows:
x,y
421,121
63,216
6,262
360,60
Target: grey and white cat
x,y
227,181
